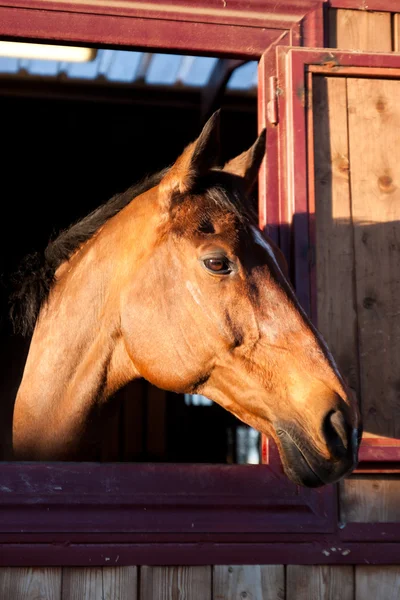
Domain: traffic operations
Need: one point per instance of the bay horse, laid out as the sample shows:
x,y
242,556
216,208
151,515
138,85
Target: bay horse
x,y
173,282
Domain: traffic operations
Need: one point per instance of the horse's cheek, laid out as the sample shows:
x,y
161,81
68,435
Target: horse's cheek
x,y
158,353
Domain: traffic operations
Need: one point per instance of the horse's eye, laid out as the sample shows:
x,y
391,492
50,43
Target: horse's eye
x,y
218,264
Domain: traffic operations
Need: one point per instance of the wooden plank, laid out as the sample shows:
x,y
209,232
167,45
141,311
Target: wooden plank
x,y
396,32
371,499
377,582
175,583
30,584
337,319
336,302
320,583
259,582
360,30
82,583
373,116
374,122
119,583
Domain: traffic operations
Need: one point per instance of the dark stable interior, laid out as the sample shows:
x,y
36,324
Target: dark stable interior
x,y
66,150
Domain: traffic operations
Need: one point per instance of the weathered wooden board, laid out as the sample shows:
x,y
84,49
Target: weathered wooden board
x,y
175,583
265,582
107,583
82,583
120,583
360,30
396,32
374,123
358,259
377,583
371,499
336,310
30,584
320,583
336,302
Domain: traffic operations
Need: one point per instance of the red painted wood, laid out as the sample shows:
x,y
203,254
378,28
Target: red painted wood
x,y
332,551
156,498
313,28
269,197
128,32
371,532
380,5
257,13
193,27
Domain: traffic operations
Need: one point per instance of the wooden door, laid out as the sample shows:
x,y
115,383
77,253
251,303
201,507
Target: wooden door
x,y
340,202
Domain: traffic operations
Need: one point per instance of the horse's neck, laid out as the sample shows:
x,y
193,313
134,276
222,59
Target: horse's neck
x,y
77,357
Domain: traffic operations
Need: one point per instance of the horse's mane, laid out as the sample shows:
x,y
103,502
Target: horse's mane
x,y
36,274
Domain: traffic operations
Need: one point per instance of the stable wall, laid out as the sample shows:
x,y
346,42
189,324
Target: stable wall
x,y
363,498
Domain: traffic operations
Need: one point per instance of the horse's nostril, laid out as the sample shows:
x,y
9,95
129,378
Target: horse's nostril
x,y
337,433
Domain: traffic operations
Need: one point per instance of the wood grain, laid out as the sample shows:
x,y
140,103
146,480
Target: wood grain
x,y
82,583
320,583
30,584
371,500
374,123
119,583
377,583
175,583
336,310
396,32
251,582
360,30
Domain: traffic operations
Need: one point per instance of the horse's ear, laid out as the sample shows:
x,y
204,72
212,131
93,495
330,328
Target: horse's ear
x,y
197,158
247,164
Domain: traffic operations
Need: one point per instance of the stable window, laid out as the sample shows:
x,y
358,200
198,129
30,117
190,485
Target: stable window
x,y
131,513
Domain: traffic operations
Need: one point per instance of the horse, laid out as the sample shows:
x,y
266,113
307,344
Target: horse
x,y
172,281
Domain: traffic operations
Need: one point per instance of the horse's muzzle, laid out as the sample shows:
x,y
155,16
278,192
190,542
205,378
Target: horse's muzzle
x,y
305,466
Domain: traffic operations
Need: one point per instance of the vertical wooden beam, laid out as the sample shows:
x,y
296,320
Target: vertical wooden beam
x,y
360,30
320,583
262,582
30,584
173,583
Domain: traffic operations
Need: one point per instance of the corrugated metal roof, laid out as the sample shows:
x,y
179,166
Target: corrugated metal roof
x,y
128,67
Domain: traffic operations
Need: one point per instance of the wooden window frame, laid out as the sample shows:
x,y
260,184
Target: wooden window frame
x,y
116,514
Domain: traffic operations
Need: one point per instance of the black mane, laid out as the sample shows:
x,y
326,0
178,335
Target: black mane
x,y
36,274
